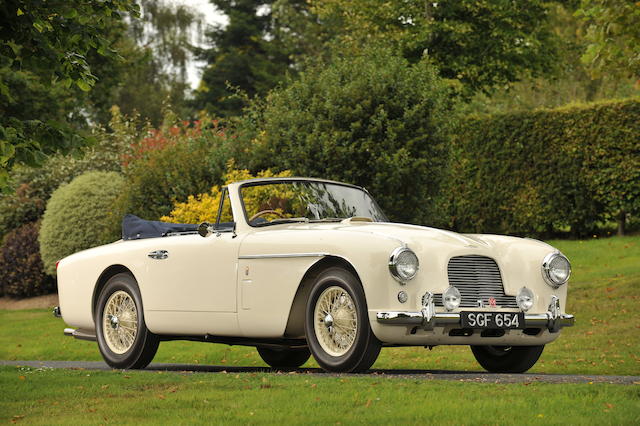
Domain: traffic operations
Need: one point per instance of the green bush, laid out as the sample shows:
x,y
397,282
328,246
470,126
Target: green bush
x,y
22,269
373,120
31,187
76,215
546,171
171,164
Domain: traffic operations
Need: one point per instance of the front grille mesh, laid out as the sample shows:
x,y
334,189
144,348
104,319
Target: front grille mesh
x,y
477,278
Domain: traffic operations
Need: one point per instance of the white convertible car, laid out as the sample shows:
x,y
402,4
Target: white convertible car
x,y
297,266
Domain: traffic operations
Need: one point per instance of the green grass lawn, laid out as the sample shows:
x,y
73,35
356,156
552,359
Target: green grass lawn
x,y
43,396
604,293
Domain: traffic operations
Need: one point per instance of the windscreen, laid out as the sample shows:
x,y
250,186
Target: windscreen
x,y
269,203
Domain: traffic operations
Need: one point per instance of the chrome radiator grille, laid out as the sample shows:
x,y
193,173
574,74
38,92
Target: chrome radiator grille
x,y
477,278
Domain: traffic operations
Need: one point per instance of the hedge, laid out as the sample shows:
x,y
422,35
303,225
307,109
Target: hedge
x,y
546,171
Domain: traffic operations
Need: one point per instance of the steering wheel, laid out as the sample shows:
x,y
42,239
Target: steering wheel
x,y
263,212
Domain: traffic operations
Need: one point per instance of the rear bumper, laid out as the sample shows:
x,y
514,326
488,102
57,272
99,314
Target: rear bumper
x,y
427,318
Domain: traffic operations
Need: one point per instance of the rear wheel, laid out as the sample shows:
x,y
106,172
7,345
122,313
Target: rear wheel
x,y
507,359
337,323
123,337
284,358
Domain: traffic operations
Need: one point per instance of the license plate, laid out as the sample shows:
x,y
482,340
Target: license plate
x,y
492,319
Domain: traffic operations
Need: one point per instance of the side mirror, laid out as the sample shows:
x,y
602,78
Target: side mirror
x,y
205,229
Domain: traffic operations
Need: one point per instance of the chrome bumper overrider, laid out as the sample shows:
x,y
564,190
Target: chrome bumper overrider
x,y
427,318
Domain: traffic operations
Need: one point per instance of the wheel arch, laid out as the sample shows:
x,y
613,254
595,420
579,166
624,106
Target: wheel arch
x,y
295,321
102,280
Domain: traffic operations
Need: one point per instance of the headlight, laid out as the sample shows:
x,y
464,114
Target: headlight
x,y
451,298
403,264
525,299
556,269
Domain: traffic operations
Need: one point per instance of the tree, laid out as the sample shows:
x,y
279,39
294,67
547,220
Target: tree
x,y
244,55
482,43
372,119
50,41
569,82
155,50
613,34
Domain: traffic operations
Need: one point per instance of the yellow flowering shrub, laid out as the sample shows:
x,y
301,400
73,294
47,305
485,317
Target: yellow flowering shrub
x,y
204,207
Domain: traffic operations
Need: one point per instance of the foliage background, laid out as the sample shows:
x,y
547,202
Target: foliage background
x,y
171,163
204,207
29,188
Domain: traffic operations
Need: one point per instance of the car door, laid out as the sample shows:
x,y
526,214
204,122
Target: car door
x,y
190,273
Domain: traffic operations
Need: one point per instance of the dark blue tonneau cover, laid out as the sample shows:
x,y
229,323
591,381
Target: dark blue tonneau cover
x,y
135,228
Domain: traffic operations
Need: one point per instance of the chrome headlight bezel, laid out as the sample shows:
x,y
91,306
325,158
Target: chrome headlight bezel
x,y
546,269
393,264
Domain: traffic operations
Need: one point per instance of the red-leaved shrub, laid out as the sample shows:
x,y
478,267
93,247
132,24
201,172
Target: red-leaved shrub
x,y
21,269
158,139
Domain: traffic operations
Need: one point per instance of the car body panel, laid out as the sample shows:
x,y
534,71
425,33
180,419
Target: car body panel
x,y
244,283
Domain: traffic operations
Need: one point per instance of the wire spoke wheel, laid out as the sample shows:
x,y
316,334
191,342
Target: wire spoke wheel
x,y
336,321
337,326
123,337
120,322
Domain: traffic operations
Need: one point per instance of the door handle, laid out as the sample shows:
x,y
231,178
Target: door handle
x,y
159,254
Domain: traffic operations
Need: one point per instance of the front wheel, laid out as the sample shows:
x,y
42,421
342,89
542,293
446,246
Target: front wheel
x,y
284,358
507,359
123,337
337,323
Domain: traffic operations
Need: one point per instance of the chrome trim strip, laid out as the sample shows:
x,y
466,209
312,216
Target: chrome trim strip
x,y
393,258
281,255
545,269
446,318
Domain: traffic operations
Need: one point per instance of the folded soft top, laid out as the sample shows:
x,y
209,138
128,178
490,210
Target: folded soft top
x,y
135,228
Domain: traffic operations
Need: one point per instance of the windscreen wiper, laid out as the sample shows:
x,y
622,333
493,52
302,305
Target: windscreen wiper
x,y
327,219
285,220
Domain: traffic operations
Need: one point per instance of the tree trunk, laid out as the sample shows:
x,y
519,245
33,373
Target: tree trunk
x,y
622,216
592,89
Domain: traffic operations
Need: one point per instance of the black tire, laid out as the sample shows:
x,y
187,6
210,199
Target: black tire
x,y
365,347
284,358
145,344
507,359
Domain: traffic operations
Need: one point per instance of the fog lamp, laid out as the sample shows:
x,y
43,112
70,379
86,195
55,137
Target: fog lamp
x,y
402,296
525,299
451,298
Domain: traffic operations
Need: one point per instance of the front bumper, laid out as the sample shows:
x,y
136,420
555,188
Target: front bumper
x,y
428,318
